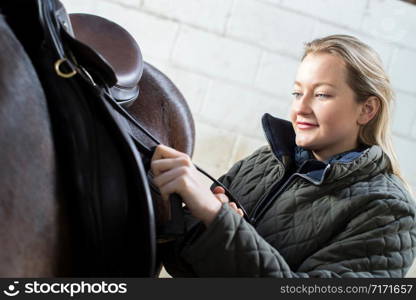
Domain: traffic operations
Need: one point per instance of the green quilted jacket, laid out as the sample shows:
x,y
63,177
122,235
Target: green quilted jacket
x,y
346,217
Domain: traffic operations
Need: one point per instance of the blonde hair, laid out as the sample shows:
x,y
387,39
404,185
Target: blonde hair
x,y
366,77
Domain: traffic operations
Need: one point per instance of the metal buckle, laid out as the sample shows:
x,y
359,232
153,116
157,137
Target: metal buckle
x,y
58,71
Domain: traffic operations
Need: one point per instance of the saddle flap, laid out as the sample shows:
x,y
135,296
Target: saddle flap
x,y
83,55
117,46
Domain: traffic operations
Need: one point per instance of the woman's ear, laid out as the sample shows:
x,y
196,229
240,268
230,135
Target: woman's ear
x,y
368,110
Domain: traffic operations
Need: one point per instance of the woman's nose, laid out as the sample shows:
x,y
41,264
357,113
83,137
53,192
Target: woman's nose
x,y
303,105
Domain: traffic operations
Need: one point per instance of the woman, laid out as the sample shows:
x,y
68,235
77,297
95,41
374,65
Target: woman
x,y
325,198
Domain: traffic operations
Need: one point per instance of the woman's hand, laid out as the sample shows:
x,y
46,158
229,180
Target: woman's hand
x,y
174,172
220,194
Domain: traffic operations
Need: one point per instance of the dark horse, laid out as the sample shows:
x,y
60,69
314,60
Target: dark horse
x,y
35,235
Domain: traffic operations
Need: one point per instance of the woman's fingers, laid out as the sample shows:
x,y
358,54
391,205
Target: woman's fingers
x,y
223,198
220,194
219,189
163,151
163,165
236,209
169,174
174,172
173,186
166,158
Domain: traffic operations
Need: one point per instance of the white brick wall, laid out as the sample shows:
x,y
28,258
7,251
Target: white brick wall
x,y
276,74
263,25
333,11
402,70
215,56
208,14
391,20
223,99
236,59
404,114
413,133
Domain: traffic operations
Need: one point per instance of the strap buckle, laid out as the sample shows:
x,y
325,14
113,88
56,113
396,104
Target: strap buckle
x,y
62,74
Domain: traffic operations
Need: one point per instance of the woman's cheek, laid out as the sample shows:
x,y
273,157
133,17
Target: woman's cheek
x,y
292,116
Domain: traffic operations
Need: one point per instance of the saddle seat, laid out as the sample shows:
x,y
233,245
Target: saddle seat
x,y
117,47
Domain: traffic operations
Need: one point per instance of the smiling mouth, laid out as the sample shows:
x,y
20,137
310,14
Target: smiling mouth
x,y
303,125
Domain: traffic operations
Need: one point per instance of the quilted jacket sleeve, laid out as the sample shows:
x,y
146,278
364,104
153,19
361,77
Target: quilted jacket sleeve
x,y
377,243
170,253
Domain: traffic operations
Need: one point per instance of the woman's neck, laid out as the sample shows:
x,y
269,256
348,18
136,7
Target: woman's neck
x,y
326,154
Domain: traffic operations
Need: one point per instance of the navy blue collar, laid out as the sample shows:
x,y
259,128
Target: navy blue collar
x,y
302,154
281,137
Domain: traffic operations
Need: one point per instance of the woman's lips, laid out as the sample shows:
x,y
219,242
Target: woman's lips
x,y
304,125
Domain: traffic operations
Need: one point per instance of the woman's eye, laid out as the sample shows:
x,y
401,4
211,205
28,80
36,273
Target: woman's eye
x,y
321,95
296,94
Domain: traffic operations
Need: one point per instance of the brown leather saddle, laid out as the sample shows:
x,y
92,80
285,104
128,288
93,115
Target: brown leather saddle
x,y
123,54
120,50
117,47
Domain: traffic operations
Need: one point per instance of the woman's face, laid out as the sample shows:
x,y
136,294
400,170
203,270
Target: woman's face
x,y
324,112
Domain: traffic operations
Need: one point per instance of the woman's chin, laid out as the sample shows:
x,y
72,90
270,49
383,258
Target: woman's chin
x,y
304,143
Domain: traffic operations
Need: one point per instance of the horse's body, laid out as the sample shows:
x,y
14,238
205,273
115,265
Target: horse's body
x,y
30,212
35,235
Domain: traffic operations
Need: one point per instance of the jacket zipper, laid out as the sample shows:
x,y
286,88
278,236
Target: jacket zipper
x,y
270,194
252,216
257,212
